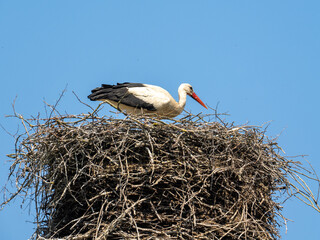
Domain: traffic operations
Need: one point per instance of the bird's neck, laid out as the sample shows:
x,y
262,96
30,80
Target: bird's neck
x,y
182,98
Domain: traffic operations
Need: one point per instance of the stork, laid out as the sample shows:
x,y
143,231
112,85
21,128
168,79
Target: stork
x,y
144,99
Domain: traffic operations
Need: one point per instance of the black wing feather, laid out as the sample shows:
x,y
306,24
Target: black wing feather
x,y
119,93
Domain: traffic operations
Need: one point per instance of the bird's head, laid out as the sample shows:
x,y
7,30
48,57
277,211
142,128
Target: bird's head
x,y
189,90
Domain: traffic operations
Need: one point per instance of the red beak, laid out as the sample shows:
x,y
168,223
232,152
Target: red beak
x,y
195,97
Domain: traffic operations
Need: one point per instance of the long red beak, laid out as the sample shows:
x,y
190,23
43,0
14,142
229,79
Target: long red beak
x,y
195,97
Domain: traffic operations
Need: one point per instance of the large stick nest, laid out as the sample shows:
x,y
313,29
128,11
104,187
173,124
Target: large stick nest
x,y
104,178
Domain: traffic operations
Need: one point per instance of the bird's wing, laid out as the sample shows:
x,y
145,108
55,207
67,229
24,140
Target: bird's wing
x,y
156,96
130,94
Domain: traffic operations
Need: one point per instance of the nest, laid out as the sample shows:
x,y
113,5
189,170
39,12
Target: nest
x,y
95,177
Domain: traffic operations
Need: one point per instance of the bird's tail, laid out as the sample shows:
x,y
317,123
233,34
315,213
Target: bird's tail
x,y
112,92
100,93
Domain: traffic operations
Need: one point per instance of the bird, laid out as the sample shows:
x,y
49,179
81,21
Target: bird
x,y
144,99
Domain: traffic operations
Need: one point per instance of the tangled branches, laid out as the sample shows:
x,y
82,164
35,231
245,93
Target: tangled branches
x,y
102,178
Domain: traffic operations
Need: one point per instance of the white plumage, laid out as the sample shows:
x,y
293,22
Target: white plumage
x,y
144,99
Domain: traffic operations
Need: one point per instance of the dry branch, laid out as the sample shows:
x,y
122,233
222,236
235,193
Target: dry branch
x,y
102,178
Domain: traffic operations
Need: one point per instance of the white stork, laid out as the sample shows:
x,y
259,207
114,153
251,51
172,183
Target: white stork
x,y
144,99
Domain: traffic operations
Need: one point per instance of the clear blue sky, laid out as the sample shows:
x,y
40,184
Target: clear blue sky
x,y
260,60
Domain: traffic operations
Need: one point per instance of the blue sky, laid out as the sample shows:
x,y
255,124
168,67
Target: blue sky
x,y
259,60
